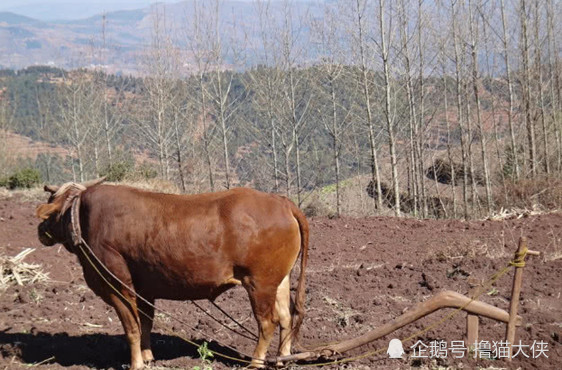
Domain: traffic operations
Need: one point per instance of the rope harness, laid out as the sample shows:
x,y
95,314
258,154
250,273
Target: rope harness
x,y
519,260
77,239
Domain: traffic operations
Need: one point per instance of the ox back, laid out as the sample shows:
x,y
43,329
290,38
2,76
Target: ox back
x,y
188,246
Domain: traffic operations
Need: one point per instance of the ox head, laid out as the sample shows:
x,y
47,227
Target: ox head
x,y
54,227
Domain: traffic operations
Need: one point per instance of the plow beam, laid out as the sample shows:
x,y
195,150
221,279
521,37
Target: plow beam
x,y
445,299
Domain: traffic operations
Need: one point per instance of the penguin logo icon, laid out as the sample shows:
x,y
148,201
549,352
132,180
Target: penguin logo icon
x,y
395,349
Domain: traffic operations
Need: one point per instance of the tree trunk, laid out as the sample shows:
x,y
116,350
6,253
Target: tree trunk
x,y
335,143
541,104
387,113
178,156
206,139
475,79
510,91
460,113
420,129
529,122
375,176
554,72
412,129
475,200
449,153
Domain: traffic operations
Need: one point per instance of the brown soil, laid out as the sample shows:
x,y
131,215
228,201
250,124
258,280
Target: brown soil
x,y
361,274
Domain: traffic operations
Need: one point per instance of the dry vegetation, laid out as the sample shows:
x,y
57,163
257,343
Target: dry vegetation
x,y
15,271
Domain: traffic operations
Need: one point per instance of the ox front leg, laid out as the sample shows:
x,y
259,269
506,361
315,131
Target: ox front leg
x,y
146,314
127,313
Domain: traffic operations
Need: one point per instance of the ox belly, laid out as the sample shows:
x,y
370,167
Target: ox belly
x,y
175,285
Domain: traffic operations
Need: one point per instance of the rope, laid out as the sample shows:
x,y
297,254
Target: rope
x,y
233,319
519,260
253,337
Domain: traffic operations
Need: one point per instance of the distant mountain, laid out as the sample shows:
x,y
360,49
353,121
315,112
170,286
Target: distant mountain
x,y
50,10
10,18
25,41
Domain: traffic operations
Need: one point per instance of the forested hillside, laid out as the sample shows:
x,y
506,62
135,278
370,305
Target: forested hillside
x,y
431,109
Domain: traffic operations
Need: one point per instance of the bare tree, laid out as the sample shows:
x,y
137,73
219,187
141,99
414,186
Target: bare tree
x,y
491,70
336,112
475,82
509,81
199,38
539,86
155,113
79,98
111,116
266,84
444,73
526,82
413,173
460,119
385,39
296,99
212,56
359,30
554,90
421,109
7,118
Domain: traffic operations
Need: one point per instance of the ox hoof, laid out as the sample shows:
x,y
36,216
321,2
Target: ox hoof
x,y
257,364
147,356
137,364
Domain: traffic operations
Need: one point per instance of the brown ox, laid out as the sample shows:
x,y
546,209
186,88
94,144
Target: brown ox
x,y
185,247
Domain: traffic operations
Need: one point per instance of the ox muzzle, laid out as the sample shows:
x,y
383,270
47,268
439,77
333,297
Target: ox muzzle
x,y
45,237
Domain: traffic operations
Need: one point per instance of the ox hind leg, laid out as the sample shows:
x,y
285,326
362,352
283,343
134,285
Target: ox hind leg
x,y
263,305
283,310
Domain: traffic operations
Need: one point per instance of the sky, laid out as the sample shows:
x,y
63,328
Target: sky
x,y
47,10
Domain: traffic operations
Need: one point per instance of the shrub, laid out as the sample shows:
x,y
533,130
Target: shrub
x,y
127,171
315,207
146,171
117,171
24,178
541,191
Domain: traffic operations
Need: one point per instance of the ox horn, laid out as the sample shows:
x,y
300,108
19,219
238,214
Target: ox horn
x,y
51,188
87,184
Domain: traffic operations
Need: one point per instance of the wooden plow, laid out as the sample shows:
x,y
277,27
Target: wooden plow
x,y
445,299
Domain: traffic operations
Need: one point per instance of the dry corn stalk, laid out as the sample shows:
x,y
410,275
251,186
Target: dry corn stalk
x,y
13,271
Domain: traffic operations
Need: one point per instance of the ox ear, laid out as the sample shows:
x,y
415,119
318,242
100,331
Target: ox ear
x,y
51,188
46,210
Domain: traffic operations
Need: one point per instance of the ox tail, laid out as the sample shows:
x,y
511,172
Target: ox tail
x,y
300,295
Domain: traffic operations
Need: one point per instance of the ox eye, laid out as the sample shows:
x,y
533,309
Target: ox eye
x,y
49,235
